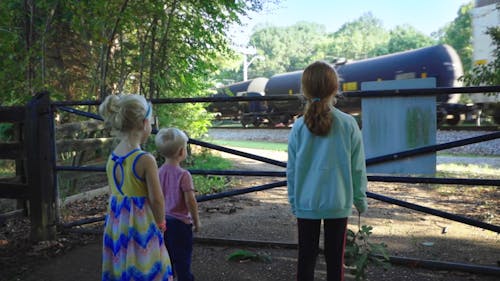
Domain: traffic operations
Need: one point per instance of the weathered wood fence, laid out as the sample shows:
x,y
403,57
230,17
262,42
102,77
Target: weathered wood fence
x,y
33,150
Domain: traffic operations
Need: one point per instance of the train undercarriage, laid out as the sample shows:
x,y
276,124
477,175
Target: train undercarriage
x,y
450,114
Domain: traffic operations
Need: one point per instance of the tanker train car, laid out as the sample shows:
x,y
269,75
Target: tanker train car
x,y
235,111
440,62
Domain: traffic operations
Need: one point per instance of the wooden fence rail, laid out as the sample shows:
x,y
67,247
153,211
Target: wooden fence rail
x,y
36,146
33,149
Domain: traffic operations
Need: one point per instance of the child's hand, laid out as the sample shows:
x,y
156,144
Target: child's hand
x,y
196,227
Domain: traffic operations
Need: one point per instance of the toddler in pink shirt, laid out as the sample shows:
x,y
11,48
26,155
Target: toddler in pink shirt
x,y
181,208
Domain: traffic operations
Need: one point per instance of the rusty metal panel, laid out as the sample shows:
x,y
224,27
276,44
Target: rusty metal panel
x,y
396,124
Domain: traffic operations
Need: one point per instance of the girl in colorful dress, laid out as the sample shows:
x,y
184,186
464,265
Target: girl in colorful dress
x,y
326,173
133,246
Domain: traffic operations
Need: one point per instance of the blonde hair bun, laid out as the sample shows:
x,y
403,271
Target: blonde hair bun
x,y
123,113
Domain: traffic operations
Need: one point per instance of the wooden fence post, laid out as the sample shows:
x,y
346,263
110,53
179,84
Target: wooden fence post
x,y
40,164
21,168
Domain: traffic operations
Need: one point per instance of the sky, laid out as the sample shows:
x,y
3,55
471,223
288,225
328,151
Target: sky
x,y
426,16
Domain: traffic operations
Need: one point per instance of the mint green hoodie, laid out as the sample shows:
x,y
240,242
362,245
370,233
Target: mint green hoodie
x,y
326,174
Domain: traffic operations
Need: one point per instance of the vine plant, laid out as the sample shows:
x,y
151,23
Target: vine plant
x,y
360,252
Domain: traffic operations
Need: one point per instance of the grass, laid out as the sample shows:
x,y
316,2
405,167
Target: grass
x,y
443,170
7,168
485,194
466,171
252,144
440,153
204,160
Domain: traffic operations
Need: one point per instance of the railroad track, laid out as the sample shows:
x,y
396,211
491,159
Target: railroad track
x,y
237,126
470,128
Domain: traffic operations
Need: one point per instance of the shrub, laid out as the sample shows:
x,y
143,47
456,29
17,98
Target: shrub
x,y
360,253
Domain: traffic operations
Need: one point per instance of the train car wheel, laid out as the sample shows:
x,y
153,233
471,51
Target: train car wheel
x,y
496,117
496,113
273,117
454,120
244,120
440,116
257,122
285,119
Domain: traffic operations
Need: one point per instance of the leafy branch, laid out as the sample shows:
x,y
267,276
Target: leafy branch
x,y
360,253
244,256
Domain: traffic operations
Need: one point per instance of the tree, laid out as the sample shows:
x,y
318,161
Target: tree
x,y
358,39
94,47
487,74
286,48
458,34
403,38
89,49
292,48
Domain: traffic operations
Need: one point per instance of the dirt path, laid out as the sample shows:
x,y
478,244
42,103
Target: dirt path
x,y
265,216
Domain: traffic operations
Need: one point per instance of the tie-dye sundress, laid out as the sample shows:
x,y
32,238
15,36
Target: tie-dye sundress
x,y
133,246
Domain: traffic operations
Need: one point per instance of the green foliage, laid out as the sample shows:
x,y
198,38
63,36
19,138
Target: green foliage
x,y
359,252
286,48
359,39
245,255
292,48
6,132
190,117
207,161
487,74
81,50
12,55
458,34
253,144
403,38
7,168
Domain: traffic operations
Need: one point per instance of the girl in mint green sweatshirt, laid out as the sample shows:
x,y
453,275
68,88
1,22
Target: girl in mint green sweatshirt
x,y
326,172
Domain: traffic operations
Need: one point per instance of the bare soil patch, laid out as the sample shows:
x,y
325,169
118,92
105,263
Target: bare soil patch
x,y
265,216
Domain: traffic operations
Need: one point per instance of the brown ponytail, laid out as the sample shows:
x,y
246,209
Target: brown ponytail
x,y
319,85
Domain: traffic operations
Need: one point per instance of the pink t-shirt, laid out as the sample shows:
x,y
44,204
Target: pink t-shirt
x,y
174,182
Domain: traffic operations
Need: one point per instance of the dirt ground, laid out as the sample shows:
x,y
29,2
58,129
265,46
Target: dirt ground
x,y
265,216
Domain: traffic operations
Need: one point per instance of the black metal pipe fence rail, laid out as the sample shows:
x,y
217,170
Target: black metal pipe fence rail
x,y
377,160
412,262
371,161
405,261
277,174
431,148
239,153
434,212
201,198
379,197
354,94
422,92
408,205
80,112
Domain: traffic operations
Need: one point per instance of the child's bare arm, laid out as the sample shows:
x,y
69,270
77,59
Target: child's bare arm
x,y
190,198
155,195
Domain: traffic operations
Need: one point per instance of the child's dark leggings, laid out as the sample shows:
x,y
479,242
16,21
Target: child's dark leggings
x,y
335,236
179,241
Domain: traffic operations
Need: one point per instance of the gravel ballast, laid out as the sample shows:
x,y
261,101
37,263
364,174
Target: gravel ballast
x,y
488,152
